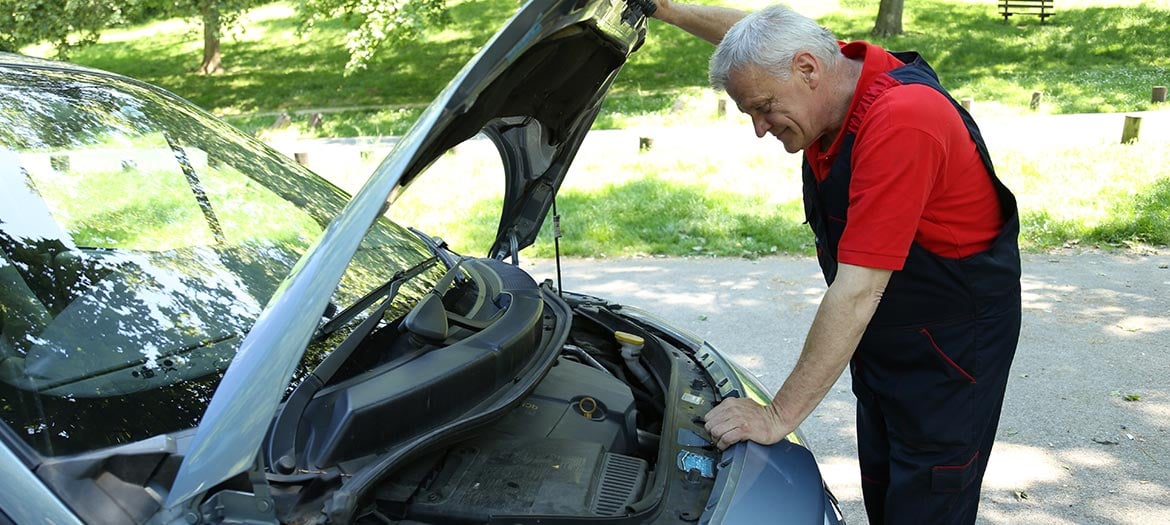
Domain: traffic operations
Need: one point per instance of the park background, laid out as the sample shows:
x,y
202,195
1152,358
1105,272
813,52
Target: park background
x,y
1078,185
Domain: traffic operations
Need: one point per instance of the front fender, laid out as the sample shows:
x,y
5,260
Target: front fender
x,y
767,484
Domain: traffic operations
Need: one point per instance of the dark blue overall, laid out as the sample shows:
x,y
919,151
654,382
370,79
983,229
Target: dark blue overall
x,y
930,372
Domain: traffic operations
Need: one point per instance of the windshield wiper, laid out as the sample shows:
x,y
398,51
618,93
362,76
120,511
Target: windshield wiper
x,y
388,289
439,248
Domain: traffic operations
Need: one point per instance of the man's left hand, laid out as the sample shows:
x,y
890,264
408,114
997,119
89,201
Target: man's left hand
x,y
735,420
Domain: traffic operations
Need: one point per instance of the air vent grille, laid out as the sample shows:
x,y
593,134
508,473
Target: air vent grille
x,y
622,481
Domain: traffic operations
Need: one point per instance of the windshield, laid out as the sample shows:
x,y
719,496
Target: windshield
x,y
139,240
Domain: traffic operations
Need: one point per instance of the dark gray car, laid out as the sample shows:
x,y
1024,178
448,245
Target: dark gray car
x,y
194,329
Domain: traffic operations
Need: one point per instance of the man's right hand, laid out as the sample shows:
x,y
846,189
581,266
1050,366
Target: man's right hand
x,y
661,6
707,22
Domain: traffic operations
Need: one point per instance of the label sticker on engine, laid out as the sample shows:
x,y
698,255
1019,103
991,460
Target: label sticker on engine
x,y
692,399
688,461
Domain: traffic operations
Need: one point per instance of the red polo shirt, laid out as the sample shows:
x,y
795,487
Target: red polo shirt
x,y
916,175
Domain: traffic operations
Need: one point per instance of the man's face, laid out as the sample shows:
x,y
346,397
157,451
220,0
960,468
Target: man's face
x,y
780,107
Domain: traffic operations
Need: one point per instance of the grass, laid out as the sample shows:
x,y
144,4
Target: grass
x,y
1112,196
624,202
1092,56
1085,59
746,203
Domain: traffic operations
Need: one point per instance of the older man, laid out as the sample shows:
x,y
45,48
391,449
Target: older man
x,y
917,239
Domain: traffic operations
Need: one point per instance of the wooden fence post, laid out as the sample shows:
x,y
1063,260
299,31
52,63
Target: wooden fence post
x,y
966,103
1129,132
302,158
1036,97
1159,94
645,143
721,108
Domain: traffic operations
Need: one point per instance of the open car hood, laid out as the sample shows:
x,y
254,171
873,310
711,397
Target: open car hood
x,y
534,90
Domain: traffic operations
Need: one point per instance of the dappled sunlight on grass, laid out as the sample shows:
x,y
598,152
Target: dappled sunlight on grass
x,y
631,216
154,30
1092,56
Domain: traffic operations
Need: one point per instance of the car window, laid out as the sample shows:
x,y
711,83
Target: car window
x,y
139,241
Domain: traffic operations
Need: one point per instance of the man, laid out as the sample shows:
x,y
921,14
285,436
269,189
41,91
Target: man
x,y
917,239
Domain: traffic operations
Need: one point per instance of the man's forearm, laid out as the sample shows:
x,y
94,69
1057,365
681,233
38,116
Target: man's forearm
x,y
844,313
704,21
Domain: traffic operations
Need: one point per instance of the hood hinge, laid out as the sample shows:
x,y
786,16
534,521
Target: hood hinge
x,y
231,506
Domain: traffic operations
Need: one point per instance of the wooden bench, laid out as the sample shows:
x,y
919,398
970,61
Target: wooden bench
x,y
1041,8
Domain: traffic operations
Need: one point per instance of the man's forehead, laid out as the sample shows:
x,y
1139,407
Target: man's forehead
x,y
751,86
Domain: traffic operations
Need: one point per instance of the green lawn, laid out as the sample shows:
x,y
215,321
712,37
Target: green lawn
x,y
1092,56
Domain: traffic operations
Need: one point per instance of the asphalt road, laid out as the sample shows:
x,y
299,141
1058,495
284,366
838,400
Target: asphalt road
x,y
1085,432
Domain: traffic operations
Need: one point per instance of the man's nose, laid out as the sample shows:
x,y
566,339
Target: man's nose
x,y
761,124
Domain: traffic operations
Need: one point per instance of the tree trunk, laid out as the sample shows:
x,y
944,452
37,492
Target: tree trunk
x,y
889,18
212,57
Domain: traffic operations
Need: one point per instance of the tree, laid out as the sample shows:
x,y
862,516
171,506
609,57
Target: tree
x,y
216,16
66,24
71,24
889,18
378,23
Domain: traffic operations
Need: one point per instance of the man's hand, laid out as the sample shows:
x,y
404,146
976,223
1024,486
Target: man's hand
x,y
704,21
841,319
734,420
661,6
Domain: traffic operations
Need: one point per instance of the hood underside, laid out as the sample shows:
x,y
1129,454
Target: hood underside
x,y
534,90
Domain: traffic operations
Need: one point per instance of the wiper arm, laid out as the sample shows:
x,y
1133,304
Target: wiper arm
x,y
439,248
389,288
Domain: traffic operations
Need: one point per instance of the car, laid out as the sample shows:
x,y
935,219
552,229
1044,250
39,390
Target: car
x,y
196,329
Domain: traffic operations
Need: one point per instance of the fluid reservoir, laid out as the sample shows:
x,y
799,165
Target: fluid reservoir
x,y
631,345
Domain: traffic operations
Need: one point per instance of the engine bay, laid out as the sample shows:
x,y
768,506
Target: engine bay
x,y
596,438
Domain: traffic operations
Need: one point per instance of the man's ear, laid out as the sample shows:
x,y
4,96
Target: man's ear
x,y
807,68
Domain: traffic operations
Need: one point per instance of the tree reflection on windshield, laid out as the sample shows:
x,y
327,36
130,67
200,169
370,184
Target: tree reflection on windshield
x,y
139,241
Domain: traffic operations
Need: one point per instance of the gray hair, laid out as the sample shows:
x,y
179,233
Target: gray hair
x,y
770,38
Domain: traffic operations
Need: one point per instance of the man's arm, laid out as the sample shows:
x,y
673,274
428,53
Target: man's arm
x,y
845,311
704,21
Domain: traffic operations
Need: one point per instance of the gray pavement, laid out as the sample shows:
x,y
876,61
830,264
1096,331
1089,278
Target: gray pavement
x,y
1071,448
